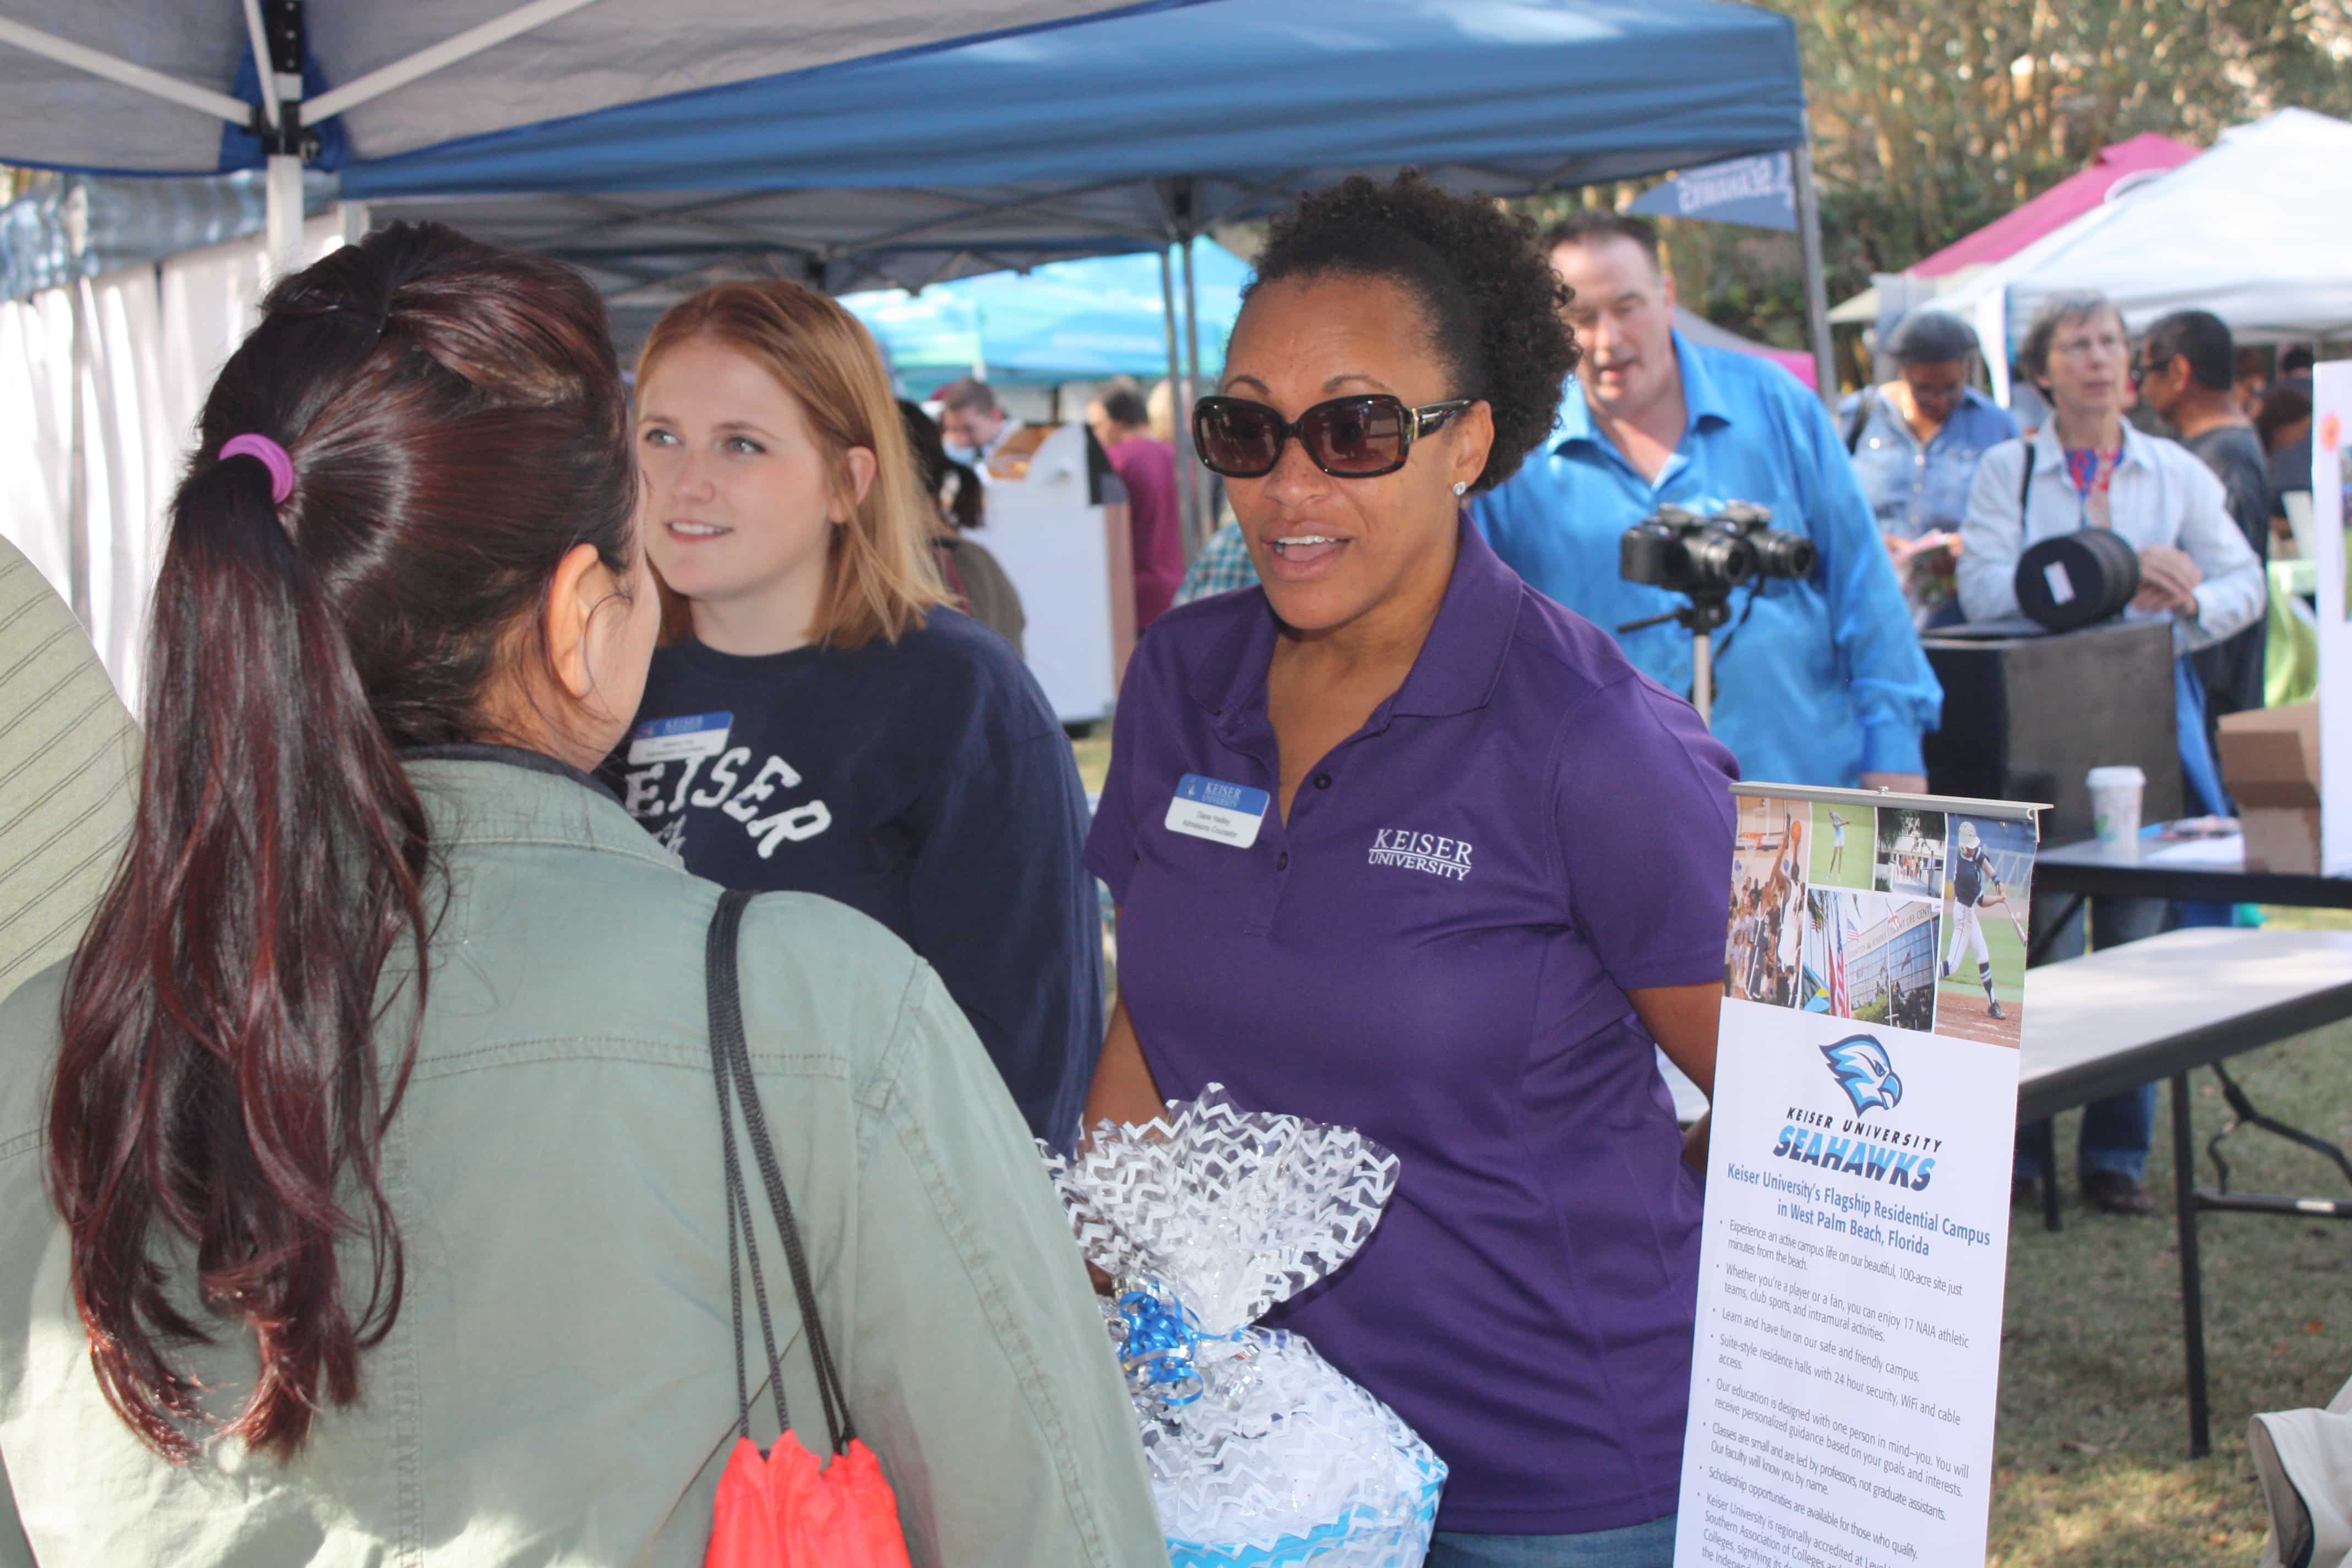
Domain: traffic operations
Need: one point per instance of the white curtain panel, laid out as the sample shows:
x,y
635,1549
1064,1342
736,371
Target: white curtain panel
x,y
130,460
36,432
139,348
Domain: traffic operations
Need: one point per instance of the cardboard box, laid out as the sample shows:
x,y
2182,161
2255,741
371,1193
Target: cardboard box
x,y
2269,763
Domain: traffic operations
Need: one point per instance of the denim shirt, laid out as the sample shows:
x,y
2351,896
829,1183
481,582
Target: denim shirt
x,y
1915,490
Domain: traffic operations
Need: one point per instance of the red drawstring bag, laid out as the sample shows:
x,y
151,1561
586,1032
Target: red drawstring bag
x,y
783,1508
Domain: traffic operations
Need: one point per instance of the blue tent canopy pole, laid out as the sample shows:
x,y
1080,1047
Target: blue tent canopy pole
x,y
1817,297
1197,520
1187,482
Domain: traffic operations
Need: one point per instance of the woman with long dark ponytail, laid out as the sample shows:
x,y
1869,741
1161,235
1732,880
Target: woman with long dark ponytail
x,y
360,1176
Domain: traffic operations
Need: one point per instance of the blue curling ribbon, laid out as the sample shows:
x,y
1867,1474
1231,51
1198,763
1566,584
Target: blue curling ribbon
x,y
1162,1341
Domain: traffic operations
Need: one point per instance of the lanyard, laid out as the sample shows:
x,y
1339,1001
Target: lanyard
x,y
2092,469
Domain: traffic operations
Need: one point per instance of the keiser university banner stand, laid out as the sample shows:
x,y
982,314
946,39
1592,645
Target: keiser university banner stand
x,y
1856,1240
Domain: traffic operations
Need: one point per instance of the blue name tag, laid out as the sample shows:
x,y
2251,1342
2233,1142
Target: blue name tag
x,y
1219,812
671,740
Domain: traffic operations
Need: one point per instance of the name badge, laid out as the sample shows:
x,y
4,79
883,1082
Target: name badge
x,y
1219,812
673,740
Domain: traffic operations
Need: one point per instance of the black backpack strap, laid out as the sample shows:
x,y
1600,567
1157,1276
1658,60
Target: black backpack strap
x,y
2024,486
1864,404
731,1065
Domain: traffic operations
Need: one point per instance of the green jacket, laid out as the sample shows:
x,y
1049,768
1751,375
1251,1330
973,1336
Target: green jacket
x,y
68,773
560,1386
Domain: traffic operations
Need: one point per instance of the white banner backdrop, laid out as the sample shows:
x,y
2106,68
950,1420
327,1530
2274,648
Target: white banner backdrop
x,y
99,388
2331,476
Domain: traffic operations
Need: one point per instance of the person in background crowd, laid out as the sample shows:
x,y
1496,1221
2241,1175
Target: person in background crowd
x,y
1916,443
1396,947
2026,404
2184,373
1223,565
817,720
2295,362
972,575
2283,423
973,423
1819,681
71,778
360,1178
2089,469
2250,378
1159,410
1147,467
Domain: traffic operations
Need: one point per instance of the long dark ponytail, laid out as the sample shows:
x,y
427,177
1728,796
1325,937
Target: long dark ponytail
x,y
456,424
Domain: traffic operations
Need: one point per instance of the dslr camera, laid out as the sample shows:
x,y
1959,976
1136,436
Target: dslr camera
x,y
1707,557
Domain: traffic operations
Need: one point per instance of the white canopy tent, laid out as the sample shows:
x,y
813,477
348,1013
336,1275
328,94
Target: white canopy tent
x,y
2254,231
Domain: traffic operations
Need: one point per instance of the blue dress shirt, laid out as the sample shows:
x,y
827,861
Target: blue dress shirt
x,y
1817,682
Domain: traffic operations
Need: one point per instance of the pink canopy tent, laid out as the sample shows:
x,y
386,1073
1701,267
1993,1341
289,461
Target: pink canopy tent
x,y
1699,329
2145,155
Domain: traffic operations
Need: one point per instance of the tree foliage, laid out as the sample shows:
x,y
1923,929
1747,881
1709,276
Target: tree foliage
x,y
1930,119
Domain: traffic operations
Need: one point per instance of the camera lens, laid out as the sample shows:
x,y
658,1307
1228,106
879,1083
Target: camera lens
x,y
1780,555
1720,558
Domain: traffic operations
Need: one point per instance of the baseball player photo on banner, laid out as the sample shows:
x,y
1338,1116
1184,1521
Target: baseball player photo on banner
x,y
1856,1243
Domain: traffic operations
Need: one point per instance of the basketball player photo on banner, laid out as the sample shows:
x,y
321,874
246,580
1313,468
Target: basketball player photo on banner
x,y
1856,1242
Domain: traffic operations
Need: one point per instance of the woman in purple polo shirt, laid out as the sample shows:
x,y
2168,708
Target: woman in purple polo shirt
x,y
1400,844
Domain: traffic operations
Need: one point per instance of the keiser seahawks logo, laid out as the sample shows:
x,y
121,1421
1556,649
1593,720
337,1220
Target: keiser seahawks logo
x,y
1862,1069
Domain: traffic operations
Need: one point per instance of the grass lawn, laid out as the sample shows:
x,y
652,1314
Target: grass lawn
x,y
2090,1467
1093,752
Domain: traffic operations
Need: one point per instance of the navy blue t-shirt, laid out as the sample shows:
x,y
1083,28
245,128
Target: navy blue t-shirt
x,y
924,783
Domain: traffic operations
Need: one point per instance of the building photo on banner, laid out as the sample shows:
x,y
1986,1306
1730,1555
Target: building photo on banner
x,y
1854,1260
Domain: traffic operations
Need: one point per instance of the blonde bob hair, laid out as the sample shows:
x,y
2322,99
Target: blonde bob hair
x,y
882,577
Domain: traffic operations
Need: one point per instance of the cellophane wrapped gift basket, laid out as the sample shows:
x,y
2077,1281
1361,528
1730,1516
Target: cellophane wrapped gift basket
x,y
1261,1452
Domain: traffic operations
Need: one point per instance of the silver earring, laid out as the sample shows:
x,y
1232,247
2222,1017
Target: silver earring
x,y
1460,486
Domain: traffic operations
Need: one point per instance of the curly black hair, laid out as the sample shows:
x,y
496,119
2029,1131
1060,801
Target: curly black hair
x,y
1489,299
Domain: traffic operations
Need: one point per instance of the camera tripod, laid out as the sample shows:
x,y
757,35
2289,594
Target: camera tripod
x,y
1709,608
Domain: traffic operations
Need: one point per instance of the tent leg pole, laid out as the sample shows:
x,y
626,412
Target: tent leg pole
x,y
1817,297
284,191
1198,523
1187,480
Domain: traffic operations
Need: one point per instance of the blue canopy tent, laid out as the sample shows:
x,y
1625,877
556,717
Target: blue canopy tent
x,y
1130,132
879,149
193,88
1122,133
1088,129
1067,321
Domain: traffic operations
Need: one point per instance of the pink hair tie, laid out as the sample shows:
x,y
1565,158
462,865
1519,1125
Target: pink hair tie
x,y
270,456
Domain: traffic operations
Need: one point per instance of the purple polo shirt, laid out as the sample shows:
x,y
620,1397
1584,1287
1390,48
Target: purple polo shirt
x,y
1436,948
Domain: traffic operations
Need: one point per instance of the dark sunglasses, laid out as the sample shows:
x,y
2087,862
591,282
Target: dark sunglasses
x,y
1358,437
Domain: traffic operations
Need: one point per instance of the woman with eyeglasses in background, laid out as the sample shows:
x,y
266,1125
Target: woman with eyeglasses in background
x,y
1401,845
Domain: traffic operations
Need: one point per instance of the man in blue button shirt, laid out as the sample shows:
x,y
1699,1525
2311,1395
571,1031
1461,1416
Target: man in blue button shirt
x,y
1818,681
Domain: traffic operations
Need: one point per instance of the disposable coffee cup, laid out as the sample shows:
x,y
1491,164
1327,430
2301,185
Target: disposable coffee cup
x,y
2114,806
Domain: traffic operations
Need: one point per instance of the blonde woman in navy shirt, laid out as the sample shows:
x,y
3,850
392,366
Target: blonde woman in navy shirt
x,y
817,720
1401,845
